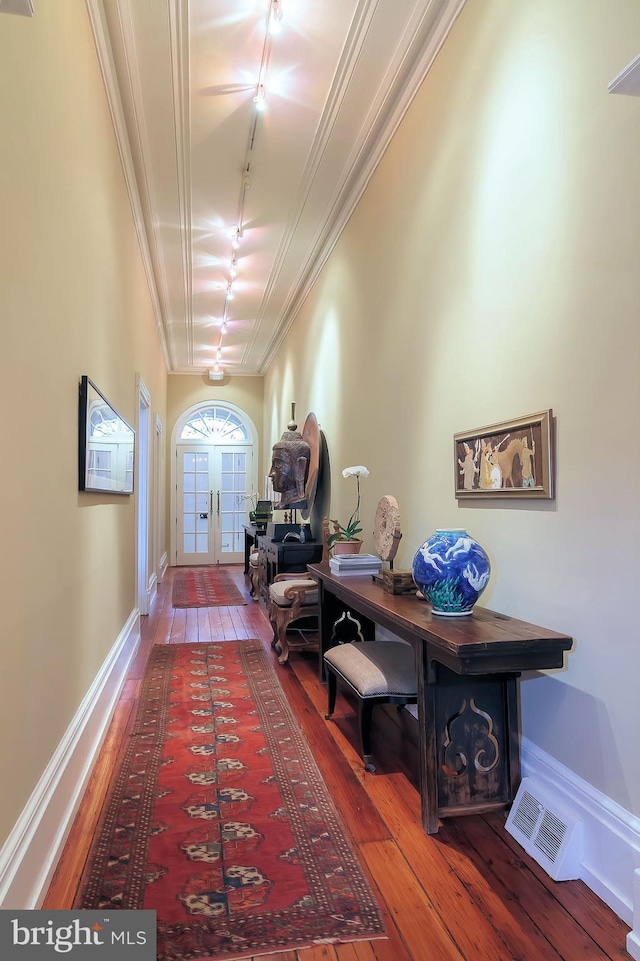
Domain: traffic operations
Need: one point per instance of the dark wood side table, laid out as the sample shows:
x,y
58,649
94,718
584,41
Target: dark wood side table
x,y
286,557
280,557
468,669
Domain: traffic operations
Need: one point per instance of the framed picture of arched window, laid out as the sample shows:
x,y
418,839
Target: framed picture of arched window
x,y
106,448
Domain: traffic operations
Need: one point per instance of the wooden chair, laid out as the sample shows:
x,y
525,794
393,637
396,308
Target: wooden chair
x,y
255,567
291,598
376,672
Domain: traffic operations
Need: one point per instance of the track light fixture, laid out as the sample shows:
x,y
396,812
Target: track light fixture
x,y
259,99
273,27
275,18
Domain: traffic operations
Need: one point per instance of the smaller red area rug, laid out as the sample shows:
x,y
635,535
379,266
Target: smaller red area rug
x,y
205,587
219,820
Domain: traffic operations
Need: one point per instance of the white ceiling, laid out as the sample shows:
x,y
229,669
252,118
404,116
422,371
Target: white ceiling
x,y
181,77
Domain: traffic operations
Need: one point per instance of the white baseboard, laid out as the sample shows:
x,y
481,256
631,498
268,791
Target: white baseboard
x,y
611,837
30,853
152,591
164,563
633,938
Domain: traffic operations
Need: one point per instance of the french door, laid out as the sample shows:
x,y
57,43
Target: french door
x,y
212,486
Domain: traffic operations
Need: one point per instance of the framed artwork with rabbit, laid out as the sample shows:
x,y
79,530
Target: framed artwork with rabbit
x,y
511,459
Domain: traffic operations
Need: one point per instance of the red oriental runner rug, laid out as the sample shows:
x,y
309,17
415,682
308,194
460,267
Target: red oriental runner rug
x,y
205,587
219,820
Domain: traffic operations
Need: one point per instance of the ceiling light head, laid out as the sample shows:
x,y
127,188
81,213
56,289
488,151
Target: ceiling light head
x,y
275,20
259,99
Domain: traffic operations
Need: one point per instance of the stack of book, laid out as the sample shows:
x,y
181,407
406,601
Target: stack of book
x,y
361,564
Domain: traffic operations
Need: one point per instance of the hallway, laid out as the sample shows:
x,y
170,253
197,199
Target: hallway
x,y
468,892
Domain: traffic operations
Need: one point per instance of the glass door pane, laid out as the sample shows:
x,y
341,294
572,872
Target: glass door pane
x,y
234,481
212,486
195,543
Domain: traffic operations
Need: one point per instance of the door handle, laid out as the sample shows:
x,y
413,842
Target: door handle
x,y
204,516
211,502
218,492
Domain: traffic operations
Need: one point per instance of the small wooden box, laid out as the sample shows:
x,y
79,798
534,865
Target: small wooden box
x,y
397,582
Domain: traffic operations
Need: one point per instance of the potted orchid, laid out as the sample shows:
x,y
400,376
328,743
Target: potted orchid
x,y
347,534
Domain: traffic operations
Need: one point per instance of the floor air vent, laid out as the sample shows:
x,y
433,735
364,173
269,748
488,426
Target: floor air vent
x,y
546,832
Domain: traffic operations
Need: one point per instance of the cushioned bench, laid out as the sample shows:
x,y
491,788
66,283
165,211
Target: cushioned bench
x,y
377,672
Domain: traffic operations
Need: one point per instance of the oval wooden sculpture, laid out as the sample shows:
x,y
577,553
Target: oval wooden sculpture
x,y
311,433
387,531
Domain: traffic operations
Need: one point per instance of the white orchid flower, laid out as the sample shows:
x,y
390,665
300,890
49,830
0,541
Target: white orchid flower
x,y
358,471
350,531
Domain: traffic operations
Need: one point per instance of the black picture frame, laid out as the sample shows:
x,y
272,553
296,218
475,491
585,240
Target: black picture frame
x,y
106,448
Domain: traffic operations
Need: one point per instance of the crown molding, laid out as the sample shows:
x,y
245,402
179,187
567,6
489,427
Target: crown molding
x,y
104,50
421,42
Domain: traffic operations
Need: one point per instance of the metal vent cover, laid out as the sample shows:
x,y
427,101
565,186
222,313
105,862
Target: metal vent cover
x,y
548,834
526,814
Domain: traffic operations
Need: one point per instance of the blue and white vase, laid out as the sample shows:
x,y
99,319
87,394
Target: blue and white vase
x,y
451,570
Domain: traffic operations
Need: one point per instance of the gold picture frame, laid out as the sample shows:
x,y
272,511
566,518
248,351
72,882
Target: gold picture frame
x,y
513,459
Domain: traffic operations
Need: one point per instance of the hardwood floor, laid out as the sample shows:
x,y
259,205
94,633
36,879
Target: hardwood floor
x,y
469,892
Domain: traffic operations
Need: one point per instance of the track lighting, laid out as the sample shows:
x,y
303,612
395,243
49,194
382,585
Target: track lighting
x,y
273,26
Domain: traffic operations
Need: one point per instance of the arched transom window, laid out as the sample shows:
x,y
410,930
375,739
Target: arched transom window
x,y
217,424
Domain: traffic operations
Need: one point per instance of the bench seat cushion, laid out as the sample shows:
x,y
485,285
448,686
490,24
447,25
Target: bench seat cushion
x,y
276,592
375,668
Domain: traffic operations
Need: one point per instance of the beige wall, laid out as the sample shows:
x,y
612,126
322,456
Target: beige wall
x,y
74,301
187,390
491,271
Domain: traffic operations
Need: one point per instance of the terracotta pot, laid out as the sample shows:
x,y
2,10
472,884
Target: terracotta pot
x,y
347,547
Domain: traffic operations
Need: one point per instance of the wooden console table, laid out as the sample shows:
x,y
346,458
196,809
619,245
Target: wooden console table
x,y
468,669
